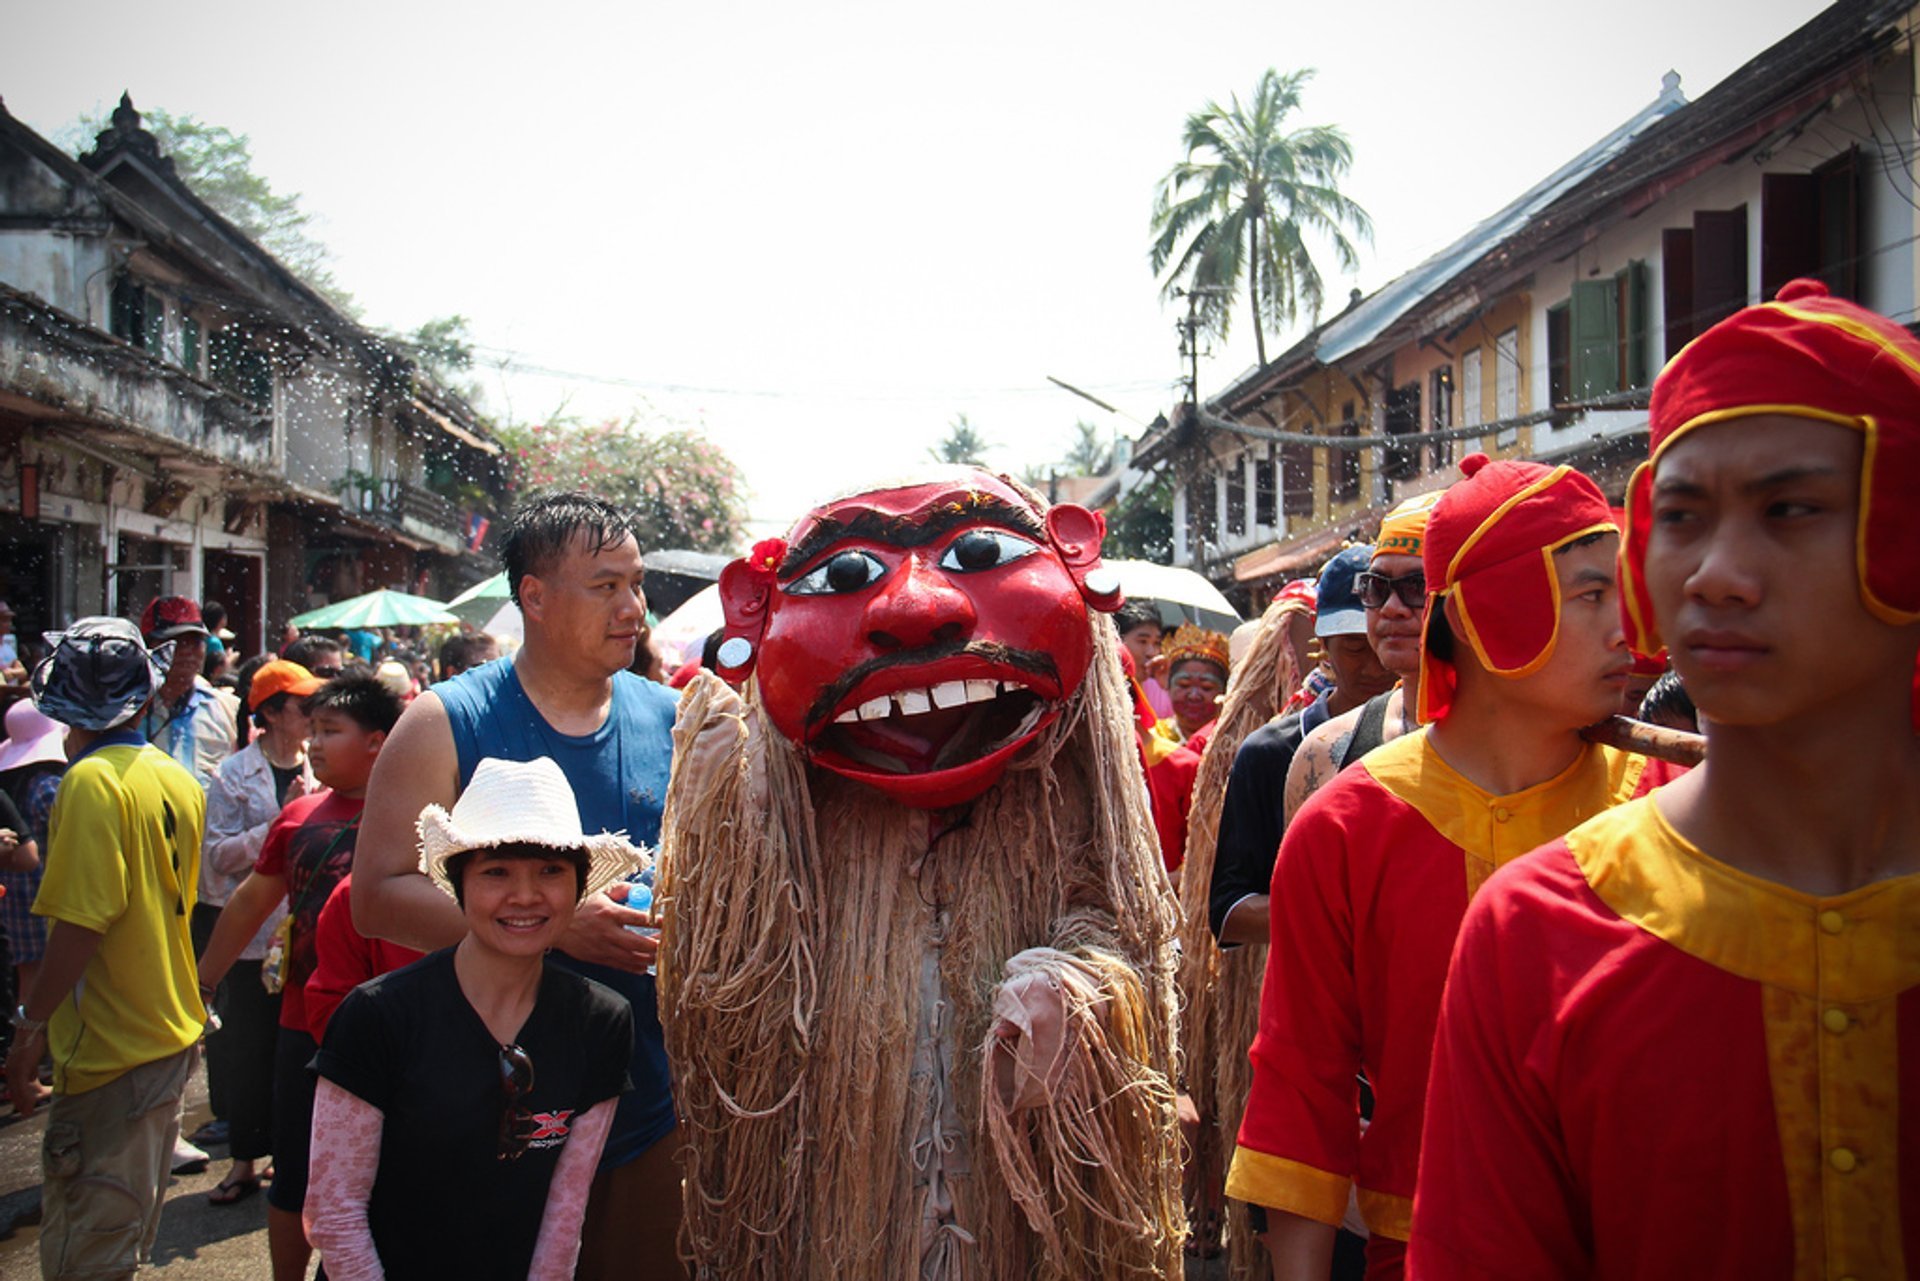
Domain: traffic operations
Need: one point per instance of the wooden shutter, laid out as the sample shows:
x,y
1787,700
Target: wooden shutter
x,y
1676,287
1719,265
1839,218
1596,338
1633,324
1789,234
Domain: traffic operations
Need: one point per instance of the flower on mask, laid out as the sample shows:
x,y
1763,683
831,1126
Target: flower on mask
x,y
764,560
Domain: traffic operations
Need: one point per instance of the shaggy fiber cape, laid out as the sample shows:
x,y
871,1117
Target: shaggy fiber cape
x,y
831,971
1220,990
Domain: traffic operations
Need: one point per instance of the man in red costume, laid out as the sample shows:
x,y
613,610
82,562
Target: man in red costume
x,y
1682,1041
917,968
1522,647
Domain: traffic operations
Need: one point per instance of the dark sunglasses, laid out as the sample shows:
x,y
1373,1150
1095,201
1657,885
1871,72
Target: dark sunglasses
x,y
1373,589
516,1083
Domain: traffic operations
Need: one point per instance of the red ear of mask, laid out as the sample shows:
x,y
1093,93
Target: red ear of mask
x,y
1076,534
746,597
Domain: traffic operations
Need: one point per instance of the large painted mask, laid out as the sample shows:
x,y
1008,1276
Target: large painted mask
x,y
916,637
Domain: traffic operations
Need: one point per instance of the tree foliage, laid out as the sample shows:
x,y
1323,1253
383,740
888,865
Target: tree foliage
x,y
217,164
1140,524
1240,210
1090,454
682,489
963,443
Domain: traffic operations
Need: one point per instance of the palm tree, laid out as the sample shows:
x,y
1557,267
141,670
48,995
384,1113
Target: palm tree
x,y
1244,202
963,443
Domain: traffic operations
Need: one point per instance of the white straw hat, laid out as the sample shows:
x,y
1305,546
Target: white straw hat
x,y
521,803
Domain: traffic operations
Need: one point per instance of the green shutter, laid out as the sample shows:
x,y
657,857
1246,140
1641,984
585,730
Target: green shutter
x,y
1634,286
1596,338
190,345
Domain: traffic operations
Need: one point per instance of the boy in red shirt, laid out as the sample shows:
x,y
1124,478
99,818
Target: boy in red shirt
x,y
1684,1040
1522,647
308,851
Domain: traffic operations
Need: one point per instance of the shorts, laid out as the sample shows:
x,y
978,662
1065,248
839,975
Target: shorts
x,y
293,1085
105,1162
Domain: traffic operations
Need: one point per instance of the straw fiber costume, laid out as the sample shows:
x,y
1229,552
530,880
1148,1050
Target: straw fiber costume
x,y
917,976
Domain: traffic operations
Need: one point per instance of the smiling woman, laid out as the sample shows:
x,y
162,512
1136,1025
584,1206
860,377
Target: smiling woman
x,y
480,1075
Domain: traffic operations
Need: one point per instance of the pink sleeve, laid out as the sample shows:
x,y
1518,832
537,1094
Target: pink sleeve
x,y
555,1253
346,1153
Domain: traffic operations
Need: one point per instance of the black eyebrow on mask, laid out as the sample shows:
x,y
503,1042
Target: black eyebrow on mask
x,y
914,530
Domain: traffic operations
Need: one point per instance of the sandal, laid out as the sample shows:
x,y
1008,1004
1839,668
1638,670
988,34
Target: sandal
x,y
231,1191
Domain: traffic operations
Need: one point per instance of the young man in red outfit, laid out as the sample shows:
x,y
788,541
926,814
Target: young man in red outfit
x,y
1522,647
1683,1041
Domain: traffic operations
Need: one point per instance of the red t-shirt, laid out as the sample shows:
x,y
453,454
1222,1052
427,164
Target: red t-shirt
x,y
311,846
344,958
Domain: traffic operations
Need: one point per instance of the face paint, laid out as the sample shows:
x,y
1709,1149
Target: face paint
x,y
916,638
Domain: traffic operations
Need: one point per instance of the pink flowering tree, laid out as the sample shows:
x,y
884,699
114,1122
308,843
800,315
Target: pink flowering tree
x,y
683,490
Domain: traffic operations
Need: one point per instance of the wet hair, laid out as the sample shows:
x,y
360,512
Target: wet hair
x,y
1136,613
361,699
1668,703
457,653
710,649
541,531
457,864
308,648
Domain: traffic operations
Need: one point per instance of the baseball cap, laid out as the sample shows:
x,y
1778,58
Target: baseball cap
x,y
280,677
1338,611
99,675
169,617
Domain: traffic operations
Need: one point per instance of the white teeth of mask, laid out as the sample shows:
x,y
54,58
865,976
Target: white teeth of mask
x,y
847,717
913,702
876,708
949,693
982,691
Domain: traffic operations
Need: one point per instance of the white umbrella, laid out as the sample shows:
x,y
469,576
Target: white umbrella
x,y
507,625
681,632
1181,594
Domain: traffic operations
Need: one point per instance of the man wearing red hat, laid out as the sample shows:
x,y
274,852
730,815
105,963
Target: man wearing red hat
x,y
1680,1041
1522,646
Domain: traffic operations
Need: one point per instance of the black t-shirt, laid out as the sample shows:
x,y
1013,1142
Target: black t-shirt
x,y
282,780
1252,817
443,1203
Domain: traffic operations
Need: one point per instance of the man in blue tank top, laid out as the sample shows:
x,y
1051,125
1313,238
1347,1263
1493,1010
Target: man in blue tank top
x,y
573,564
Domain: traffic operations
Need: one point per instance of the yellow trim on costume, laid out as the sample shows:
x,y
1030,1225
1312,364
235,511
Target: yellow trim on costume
x,y
1491,831
1292,1186
1848,324
1546,482
1387,1215
1832,971
1646,639
1539,660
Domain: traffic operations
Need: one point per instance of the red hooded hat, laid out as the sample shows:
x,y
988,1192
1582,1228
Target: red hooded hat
x,y
1489,546
1807,355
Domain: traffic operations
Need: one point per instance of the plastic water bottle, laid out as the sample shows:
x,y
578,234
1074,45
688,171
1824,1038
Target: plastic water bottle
x,y
640,899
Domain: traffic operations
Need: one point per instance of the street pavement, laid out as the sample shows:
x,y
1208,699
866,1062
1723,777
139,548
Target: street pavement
x,y
197,1240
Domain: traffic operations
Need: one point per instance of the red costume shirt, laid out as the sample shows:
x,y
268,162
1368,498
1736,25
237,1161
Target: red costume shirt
x,y
1652,1065
311,846
1373,877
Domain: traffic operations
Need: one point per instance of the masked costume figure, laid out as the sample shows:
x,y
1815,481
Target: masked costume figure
x,y
916,975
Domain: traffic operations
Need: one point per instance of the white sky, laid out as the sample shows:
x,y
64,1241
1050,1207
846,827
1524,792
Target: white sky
x,y
823,230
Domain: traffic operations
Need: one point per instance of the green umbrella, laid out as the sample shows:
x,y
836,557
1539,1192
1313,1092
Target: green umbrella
x,y
376,609
481,601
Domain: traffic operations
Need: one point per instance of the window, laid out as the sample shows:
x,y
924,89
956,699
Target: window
x,y
1346,462
241,368
190,344
1604,347
1472,408
1203,516
1296,479
1809,226
1236,480
1265,492
137,316
1703,271
1506,385
1440,403
1403,417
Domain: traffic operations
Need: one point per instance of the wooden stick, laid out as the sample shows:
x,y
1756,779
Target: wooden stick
x,y
1629,735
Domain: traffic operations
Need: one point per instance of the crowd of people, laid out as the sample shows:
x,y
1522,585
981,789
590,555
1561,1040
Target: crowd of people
x,y
1471,989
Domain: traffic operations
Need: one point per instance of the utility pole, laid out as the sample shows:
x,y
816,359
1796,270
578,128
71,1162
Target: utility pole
x,y
1189,331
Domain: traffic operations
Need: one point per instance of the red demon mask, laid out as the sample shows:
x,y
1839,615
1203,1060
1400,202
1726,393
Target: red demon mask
x,y
915,638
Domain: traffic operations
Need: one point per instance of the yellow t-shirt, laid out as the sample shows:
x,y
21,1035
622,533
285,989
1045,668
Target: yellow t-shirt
x,y
123,860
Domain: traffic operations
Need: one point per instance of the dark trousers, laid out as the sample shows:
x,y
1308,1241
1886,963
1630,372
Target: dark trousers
x,y
240,1054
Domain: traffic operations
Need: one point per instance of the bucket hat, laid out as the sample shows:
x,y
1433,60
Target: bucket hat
x,y
521,803
99,674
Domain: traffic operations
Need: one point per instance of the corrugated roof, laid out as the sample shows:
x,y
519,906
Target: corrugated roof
x,y
1354,329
